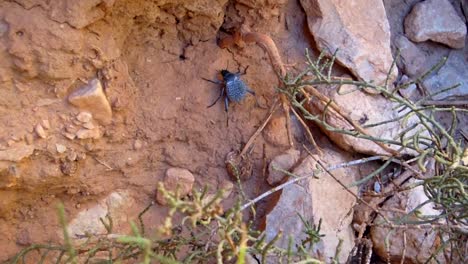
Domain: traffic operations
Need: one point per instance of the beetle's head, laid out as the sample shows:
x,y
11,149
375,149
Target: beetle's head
x,y
225,73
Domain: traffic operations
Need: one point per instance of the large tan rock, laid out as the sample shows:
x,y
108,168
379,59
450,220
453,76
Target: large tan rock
x,y
358,29
438,21
313,198
365,109
420,243
87,221
91,98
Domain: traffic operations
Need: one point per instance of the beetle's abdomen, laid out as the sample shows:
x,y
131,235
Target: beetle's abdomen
x,y
236,90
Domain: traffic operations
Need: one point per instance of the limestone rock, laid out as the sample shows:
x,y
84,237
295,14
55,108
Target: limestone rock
x,y
364,46
284,161
364,109
438,21
420,243
17,153
313,199
177,179
275,131
91,98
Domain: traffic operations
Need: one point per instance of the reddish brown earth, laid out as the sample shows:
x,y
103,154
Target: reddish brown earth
x,y
151,59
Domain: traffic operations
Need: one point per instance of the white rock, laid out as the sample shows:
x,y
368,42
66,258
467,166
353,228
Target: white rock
x,y
438,21
60,148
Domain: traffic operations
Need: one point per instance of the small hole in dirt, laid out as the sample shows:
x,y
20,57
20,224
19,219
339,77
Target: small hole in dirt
x,y
182,57
19,33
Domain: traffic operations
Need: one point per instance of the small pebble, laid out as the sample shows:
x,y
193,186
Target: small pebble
x,y
81,156
40,131
29,139
64,117
88,125
377,187
71,129
72,156
137,144
60,148
46,124
84,117
10,142
89,147
69,135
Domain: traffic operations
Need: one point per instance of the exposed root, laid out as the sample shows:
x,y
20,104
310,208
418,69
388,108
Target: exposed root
x,y
266,43
309,134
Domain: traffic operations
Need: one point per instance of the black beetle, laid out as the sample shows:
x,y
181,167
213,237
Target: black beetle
x,y
233,88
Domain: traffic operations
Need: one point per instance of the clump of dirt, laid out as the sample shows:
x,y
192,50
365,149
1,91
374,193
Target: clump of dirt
x,y
151,58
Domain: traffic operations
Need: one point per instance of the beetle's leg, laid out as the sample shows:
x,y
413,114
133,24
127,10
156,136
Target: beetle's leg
x,y
245,71
219,97
226,104
211,81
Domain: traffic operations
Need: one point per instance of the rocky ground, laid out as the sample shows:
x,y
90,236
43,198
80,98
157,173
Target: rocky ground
x,y
102,99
